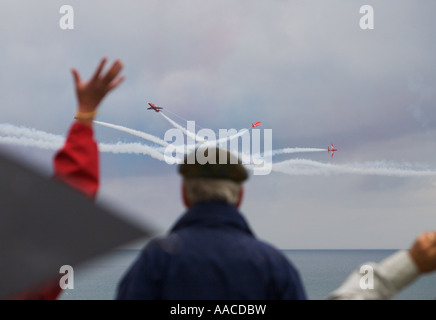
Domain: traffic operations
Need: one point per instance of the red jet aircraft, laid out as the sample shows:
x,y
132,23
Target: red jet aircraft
x,y
256,124
153,107
332,149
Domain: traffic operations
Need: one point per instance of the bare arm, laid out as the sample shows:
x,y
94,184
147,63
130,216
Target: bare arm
x,y
77,162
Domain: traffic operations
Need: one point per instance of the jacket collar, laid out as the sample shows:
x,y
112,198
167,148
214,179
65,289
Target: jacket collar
x,y
213,214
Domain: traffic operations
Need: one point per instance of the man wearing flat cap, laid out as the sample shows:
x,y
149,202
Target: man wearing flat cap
x,y
211,253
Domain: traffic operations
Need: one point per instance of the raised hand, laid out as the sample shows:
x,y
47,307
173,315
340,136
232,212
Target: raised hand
x,y
91,93
423,252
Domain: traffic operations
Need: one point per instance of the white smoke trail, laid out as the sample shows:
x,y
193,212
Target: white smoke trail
x,y
259,157
28,137
185,131
294,150
236,135
11,130
135,148
140,134
35,138
380,168
181,118
209,143
203,142
29,142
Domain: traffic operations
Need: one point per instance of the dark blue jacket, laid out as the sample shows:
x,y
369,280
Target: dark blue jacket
x,y
211,253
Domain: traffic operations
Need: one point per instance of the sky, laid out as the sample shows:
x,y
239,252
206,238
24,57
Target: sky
x,y
305,69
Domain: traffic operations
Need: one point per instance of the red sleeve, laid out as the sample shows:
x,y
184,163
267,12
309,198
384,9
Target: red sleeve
x,y
77,163
51,290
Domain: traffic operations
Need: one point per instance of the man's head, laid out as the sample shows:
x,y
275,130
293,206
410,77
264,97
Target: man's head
x,y
212,174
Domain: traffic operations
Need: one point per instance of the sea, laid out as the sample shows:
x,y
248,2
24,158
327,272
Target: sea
x,y
322,271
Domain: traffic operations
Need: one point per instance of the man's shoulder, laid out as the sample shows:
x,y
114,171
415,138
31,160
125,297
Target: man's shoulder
x,y
264,247
166,243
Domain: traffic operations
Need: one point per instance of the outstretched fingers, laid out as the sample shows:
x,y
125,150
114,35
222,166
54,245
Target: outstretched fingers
x,y
99,69
113,72
76,76
115,83
90,93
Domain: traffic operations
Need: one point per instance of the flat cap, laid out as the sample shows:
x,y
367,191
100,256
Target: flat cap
x,y
214,163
